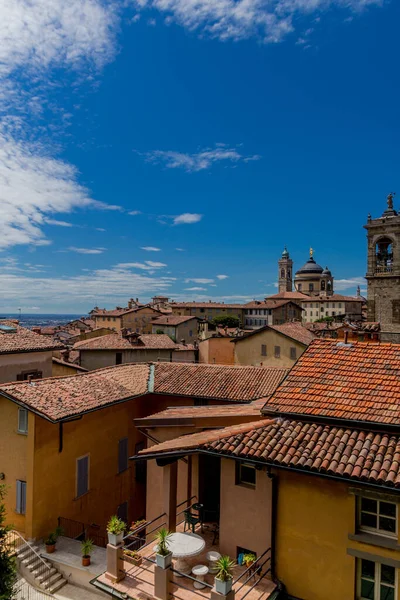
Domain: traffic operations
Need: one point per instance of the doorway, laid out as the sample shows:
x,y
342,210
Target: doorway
x,y
209,486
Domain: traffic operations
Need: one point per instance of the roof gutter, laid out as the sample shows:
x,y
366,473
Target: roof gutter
x,y
178,454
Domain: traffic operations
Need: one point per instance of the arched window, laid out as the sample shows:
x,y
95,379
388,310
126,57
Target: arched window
x,y
288,274
329,286
322,285
283,273
299,287
310,287
384,255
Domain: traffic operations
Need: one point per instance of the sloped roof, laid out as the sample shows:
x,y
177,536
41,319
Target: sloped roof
x,y
59,397
269,303
24,340
358,381
234,383
116,341
347,453
172,320
294,330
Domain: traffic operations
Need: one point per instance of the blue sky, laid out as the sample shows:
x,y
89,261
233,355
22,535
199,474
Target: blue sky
x,y
172,146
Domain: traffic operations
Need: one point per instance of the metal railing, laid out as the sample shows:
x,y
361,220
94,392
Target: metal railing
x,y
191,589
255,569
82,531
24,591
16,544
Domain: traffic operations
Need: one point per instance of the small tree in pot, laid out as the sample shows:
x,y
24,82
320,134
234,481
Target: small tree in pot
x,y
224,576
87,547
115,530
163,554
50,541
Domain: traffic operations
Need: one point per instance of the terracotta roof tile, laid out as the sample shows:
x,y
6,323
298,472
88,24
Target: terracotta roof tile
x,y
204,305
348,453
269,303
59,397
116,341
359,381
24,340
188,413
216,381
294,330
172,320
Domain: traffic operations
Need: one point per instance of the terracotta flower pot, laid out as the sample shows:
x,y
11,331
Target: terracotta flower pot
x,y
85,561
50,548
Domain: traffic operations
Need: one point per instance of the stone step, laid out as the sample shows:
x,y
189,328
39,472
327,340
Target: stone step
x,y
57,586
31,561
44,575
52,580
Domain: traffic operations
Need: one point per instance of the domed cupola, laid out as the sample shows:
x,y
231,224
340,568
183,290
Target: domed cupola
x,y
327,272
310,267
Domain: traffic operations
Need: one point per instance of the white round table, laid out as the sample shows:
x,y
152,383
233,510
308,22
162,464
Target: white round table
x,y
183,546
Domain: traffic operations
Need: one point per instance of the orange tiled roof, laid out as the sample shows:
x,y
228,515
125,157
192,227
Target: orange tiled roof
x,y
217,381
294,330
351,454
63,363
360,381
116,341
59,397
269,303
172,320
24,340
289,296
204,305
182,414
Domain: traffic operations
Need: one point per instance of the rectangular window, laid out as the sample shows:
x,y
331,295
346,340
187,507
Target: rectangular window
x,y
277,351
118,358
140,465
82,476
245,474
27,375
378,516
21,497
122,455
190,333
293,353
375,581
22,420
263,349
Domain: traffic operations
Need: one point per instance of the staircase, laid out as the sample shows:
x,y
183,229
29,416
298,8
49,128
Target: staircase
x,y
45,575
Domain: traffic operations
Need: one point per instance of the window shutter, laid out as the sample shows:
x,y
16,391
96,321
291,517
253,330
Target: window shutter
x,y
22,420
21,497
82,475
122,455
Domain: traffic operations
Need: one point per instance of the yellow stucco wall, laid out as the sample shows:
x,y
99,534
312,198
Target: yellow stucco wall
x,y
64,370
248,350
245,513
219,351
108,322
140,320
13,364
314,519
13,458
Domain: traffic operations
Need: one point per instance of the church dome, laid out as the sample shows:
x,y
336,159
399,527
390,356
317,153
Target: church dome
x,y
310,267
326,271
285,253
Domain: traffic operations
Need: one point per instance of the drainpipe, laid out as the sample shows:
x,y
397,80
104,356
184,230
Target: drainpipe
x,y
274,515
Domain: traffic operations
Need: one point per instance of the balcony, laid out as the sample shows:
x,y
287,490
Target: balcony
x,y
139,581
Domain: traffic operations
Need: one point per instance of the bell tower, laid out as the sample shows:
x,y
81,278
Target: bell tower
x,y
285,270
383,272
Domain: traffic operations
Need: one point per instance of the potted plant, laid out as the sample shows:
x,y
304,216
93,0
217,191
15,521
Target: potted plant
x,y
136,524
249,559
163,554
115,530
133,557
51,540
223,578
86,548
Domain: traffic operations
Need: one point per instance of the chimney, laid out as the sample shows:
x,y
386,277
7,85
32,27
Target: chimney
x,y
183,342
346,335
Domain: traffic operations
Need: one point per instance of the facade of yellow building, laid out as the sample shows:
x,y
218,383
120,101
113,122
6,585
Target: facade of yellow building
x,y
138,319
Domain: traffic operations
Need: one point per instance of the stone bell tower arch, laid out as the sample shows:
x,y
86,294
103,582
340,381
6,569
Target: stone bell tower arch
x,y
285,272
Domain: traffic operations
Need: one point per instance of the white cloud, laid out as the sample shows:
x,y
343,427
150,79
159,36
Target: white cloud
x,y
199,280
34,186
59,223
133,213
86,250
148,265
196,289
53,33
200,160
267,20
221,277
345,284
150,248
187,218
180,249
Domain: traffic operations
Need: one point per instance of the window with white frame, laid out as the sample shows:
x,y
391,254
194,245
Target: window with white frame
x,y
375,581
377,516
22,420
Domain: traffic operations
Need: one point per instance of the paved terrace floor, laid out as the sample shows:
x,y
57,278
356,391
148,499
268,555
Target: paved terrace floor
x,y
139,581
